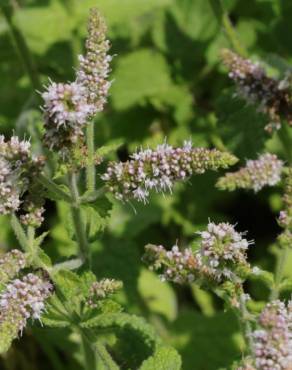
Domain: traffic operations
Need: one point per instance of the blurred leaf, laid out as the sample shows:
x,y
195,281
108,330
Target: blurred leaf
x,y
144,76
195,18
204,300
157,295
240,126
50,24
195,336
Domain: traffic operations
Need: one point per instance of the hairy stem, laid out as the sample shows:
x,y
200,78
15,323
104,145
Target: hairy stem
x,y
224,20
281,261
245,322
88,354
30,239
102,355
22,47
90,170
78,221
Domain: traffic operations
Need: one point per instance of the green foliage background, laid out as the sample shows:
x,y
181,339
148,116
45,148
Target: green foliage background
x,y
167,83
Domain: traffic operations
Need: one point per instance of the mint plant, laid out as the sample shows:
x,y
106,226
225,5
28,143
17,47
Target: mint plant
x,y
72,286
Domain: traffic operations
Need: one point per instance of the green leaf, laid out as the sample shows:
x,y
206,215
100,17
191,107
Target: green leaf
x,y
240,126
94,221
194,335
264,276
124,321
107,149
44,258
204,299
195,18
69,284
55,315
102,206
157,295
144,76
50,24
39,240
54,191
19,233
54,321
163,358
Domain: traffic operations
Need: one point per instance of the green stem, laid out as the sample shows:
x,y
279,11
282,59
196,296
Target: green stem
x,y
90,170
103,357
281,261
30,239
78,222
223,18
88,354
54,188
245,322
22,47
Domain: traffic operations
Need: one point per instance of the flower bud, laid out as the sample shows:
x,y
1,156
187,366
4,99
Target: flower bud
x,y
10,264
101,290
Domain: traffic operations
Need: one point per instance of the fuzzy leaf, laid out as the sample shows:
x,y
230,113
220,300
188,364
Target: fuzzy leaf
x,y
124,321
163,358
105,150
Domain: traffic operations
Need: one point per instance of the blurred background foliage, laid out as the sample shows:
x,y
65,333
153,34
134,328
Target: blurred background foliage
x,y
168,83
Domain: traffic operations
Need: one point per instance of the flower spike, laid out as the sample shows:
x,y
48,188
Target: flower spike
x,y
21,300
264,171
221,257
273,97
159,169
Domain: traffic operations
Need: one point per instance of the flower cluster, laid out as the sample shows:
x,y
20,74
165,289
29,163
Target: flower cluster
x,y
273,340
158,169
66,113
68,107
21,300
101,290
10,264
18,170
266,170
272,96
33,216
221,256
